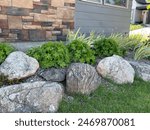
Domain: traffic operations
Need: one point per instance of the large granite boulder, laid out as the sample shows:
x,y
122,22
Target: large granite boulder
x,y
31,97
18,65
53,74
116,69
82,78
142,70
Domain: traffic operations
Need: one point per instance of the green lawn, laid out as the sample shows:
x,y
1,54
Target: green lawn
x,y
128,98
135,26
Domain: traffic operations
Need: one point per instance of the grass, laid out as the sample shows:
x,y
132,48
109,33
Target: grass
x,y
128,98
135,26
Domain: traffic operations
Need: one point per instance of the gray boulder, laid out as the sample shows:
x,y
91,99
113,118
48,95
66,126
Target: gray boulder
x,y
53,74
31,97
142,70
82,78
18,65
116,69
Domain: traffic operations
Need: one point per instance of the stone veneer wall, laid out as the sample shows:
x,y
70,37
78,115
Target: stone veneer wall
x,y
35,20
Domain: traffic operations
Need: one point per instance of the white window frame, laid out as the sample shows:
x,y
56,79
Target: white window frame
x,y
127,6
101,2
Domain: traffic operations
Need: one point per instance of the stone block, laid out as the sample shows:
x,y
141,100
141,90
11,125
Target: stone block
x,y
3,16
43,17
5,2
37,35
27,18
17,11
23,3
14,22
56,3
46,24
3,24
24,35
31,26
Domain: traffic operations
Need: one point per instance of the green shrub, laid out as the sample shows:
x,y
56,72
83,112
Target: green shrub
x,y
107,47
51,54
5,50
142,50
81,52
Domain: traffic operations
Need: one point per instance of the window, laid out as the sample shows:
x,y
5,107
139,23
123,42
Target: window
x,y
94,1
120,3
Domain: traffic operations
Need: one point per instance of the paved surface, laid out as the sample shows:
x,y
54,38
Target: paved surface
x,y
24,46
143,31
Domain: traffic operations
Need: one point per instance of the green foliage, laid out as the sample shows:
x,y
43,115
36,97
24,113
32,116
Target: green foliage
x,y
81,52
4,81
135,26
148,7
142,50
107,47
51,54
111,98
5,50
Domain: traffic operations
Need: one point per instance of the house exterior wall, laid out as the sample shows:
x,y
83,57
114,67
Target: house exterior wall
x,y
102,18
35,20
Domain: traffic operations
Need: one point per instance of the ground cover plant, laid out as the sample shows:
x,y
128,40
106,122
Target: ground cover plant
x,y
5,50
51,54
111,98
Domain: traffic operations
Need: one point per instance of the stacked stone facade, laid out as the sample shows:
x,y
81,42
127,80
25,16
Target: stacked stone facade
x,y
35,20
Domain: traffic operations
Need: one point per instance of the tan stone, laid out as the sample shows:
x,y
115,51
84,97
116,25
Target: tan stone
x,y
65,13
3,16
69,1
14,22
5,2
43,17
27,18
57,3
31,26
23,3
48,35
12,35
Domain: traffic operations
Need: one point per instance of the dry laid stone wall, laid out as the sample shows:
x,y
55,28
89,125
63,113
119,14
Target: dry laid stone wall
x,y
35,20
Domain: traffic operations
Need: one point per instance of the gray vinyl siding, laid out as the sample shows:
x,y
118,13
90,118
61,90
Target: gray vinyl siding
x,y
102,18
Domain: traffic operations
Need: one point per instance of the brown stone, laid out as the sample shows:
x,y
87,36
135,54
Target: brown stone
x,y
3,24
14,22
24,35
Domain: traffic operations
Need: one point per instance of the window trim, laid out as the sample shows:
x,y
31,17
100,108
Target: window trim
x,y
101,2
117,5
